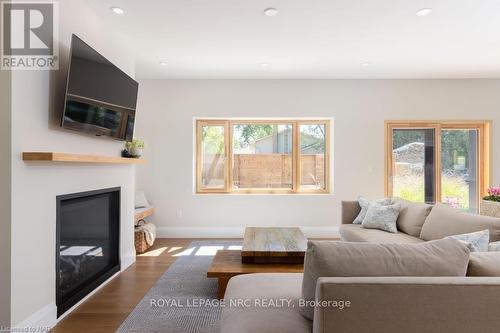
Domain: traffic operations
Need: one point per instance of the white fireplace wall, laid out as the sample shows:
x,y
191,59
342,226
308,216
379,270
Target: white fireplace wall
x,y
37,101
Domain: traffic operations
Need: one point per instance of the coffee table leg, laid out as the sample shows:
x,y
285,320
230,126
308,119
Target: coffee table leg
x,y
222,286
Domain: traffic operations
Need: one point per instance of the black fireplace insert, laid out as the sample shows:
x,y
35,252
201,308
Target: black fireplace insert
x,y
87,243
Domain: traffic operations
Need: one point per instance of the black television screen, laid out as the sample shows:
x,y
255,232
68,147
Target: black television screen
x,y
100,98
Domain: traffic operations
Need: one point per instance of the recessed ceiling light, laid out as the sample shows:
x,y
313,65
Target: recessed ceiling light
x,y
117,10
270,12
366,64
163,63
264,65
424,12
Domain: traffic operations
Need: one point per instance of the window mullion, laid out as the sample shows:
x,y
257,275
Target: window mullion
x,y
484,159
199,159
327,161
438,164
296,157
229,156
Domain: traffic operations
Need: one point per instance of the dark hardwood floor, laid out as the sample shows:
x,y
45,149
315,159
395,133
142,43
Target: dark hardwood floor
x,y
107,309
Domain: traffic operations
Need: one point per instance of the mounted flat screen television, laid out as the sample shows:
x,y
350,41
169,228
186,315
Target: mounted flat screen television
x,y
100,98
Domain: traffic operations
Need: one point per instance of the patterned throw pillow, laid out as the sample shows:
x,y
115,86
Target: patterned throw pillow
x,y
364,203
494,247
382,217
476,241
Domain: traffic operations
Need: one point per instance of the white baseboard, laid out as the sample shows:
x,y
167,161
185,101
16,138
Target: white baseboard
x,y
235,232
174,232
45,317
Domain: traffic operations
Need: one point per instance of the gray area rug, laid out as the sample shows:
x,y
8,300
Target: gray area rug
x,y
172,305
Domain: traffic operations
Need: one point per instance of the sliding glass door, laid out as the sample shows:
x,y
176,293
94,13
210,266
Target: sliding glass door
x,y
459,168
413,162
438,162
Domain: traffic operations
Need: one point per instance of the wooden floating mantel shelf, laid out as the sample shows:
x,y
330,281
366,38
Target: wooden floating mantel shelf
x,y
78,158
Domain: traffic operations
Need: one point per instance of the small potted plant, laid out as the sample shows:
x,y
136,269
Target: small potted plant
x,y
134,148
490,206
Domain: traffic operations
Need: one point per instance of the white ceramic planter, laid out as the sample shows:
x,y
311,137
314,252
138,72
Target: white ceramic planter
x,y
490,208
136,152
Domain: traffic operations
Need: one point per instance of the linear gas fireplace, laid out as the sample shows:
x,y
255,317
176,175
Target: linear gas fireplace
x,y
87,243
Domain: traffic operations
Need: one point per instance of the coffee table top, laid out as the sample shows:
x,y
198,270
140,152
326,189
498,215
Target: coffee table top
x,y
273,242
227,263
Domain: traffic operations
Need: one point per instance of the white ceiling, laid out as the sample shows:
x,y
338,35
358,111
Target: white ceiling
x,y
310,39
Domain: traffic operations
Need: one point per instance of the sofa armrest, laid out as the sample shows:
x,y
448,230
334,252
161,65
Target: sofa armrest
x,y
350,210
409,304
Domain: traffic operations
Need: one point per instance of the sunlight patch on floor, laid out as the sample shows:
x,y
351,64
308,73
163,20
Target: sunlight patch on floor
x,y
208,250
174,248
186,252
154,253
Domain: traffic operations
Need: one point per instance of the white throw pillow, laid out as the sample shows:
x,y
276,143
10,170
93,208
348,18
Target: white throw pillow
x,y
382,217
494,247
140,200
364,203
476,241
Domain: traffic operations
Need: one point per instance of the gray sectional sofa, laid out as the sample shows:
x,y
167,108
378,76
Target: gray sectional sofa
x,y
381,304
417,223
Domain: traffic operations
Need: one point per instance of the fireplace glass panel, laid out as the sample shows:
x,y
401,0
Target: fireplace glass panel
x,y
88,233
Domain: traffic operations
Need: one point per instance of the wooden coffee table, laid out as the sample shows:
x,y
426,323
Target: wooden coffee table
x,y
227,263
265,250
273,245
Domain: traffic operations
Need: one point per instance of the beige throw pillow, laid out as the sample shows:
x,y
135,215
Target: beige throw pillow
x,y
412,216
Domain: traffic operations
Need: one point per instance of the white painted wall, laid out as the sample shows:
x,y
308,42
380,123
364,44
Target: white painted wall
x,y
5,195
167,107
37,100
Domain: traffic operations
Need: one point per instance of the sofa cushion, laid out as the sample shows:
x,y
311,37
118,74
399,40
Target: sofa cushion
x,y
476,241
484,264
409,305
382,217
445,221
350,210
412,216
356,233
364,203
495,246
445,257
262,319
